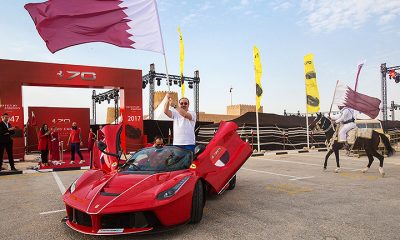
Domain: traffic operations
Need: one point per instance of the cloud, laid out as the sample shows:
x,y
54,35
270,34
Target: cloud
x,y
282,5
189,17
205,6
329,15
244,2
241,5
196,13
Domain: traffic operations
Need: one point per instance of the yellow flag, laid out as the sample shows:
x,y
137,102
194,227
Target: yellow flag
x,y
311,84
182,59
258,73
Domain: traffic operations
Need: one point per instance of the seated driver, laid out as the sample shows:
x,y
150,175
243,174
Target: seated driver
x,y
158,142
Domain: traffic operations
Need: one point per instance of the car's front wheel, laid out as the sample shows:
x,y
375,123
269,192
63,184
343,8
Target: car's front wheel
x,y
197,203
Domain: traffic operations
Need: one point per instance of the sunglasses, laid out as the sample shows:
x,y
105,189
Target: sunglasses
x,y
159,145
184,103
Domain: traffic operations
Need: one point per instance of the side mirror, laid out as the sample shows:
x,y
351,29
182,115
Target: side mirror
x,y
102,146
199,149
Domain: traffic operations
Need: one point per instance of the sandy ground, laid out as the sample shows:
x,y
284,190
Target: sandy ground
x,y
276,197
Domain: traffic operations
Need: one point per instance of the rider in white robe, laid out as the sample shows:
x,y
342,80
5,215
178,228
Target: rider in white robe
x,y
346,118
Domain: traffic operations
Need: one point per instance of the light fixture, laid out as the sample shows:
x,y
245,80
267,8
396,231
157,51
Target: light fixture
x,y
158,81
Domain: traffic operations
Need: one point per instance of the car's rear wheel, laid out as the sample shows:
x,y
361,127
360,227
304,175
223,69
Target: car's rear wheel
x,y
197,203
232,183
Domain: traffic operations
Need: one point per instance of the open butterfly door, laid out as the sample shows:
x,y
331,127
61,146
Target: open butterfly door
x,y
112,139
223,157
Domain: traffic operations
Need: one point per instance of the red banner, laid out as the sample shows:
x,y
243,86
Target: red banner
x,y
62,119
15,74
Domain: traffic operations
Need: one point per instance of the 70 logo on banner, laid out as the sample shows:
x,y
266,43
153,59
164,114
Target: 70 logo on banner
x,y
61,120
69,75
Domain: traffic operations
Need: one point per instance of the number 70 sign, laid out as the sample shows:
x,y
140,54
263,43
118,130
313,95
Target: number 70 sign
x,y
61,120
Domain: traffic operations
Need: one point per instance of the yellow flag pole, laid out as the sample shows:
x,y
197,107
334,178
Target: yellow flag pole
x,y
308,130
258,73
182,59
258,132
311,90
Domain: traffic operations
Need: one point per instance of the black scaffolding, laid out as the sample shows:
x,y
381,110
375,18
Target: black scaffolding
x,y
153,77
106,96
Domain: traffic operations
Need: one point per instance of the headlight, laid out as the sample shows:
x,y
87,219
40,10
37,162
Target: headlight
x,y
73,185
172,191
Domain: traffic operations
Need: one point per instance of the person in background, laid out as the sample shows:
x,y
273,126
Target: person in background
x,y
100,134
44,144
158,142
76,141
6,142
91,140
184,122
55,144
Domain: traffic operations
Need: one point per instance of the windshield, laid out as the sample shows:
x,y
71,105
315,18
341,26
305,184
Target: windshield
x,y
165,159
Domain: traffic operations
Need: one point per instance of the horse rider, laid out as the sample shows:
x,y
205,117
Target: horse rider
x,y
347,119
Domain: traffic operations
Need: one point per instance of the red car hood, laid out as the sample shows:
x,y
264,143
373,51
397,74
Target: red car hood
x,y
97,192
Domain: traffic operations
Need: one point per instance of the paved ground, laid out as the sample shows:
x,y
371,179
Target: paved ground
x,y
276,197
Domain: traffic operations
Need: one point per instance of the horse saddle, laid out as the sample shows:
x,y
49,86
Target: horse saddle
x,y
356,132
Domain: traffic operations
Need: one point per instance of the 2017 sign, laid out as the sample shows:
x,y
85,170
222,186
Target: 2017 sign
x,y
134,118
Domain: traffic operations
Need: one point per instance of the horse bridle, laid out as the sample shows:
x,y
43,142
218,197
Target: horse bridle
x,y
318,124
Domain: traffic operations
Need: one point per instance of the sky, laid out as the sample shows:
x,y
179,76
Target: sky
x,y
219,37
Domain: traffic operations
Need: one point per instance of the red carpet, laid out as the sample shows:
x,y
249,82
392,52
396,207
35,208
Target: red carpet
x,y
64,164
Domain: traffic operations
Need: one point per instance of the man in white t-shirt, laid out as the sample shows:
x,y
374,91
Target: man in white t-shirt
x,y
184,122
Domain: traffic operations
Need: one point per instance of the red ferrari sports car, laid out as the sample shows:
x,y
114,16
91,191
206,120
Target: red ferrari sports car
x,y
156,188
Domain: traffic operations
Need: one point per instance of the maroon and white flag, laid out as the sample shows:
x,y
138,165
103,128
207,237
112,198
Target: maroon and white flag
x,y
359,67
124,23
345,96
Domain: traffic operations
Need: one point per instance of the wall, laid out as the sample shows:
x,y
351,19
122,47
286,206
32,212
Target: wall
x,y
241,109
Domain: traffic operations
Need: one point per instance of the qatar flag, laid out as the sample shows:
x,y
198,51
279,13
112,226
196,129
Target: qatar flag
x,y
124,23
345,96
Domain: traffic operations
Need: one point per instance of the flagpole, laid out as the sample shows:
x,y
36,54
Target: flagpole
x,y
162,41
333,99
230,91
166,70
358,74
308,131
307,128
258,131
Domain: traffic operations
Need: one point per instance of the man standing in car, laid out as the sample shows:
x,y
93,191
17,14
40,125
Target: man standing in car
x,y
184,122
6,142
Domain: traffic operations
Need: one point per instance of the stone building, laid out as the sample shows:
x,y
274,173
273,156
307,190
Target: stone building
x,y
232,111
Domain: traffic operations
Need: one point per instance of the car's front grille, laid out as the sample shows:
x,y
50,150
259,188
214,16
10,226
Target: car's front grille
x,y
129,220
80,218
